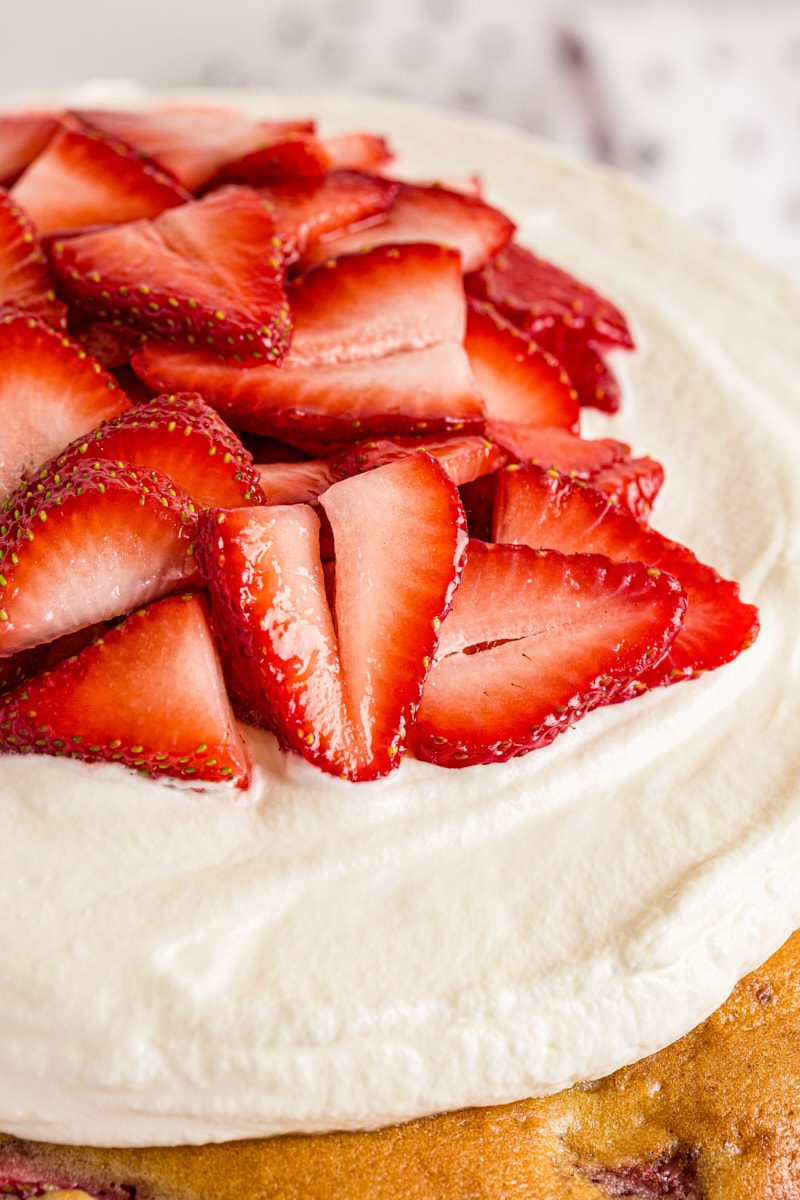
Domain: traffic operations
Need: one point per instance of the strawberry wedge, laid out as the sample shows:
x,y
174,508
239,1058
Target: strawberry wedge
x,y
23,135
208,272
422,213
113,702
339,684
185,439
190,142
320,408
533,641
26,284
541,508
51,392
89,543
83,178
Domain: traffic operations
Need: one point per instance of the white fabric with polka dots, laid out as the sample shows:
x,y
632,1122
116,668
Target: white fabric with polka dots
x,y
703,100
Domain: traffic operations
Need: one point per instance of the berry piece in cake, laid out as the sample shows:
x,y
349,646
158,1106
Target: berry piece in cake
x,y
184,438
114,702
324,406
308,211
541,508
429,214
520,383
191,142
83,178
51,391
533,641
23,135
26,284
533,294
208,273
338,682
89,543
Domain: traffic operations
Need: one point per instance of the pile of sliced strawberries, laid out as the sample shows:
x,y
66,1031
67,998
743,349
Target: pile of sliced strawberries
x,y
289,441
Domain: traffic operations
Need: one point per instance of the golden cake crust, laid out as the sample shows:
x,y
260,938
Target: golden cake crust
x,y
715,1116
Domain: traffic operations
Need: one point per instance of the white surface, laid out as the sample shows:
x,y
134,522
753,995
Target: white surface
x,y
185,968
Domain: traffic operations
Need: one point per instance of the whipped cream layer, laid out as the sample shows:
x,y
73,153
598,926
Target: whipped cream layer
x,y
183,967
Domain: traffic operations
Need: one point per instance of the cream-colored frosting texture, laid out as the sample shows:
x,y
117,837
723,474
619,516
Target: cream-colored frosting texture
x,y
183,967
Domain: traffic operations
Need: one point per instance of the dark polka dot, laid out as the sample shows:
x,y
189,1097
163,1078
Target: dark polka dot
x,y
571,51
413,51
748,140
719,58
335,58
350,12
441,10
291,27
658,76
495,43
791,209
647,155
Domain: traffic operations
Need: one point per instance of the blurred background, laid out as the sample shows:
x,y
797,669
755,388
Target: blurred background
x,y
700,98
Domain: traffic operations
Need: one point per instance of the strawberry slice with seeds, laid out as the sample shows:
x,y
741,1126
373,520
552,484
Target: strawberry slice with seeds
x,y
113,701
541,508
208,272
463,459
295,482
26,284
23,135
421,213
559,448
520,383
185,439
298,156
357,151
533,641
113,537
340,687
191,142
322,407
51,392
384,301
533,293
596,385
635,484
82,178
306,211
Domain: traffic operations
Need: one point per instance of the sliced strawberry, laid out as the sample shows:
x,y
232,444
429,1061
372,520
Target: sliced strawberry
x,y
520,383
633,484
533,641
83,178
191,142
462,458
541,508
23,135
297,156
295,482
26,284
307,210
207,272
26,663
184,438
357,151
114,702
596,385
559,448
341,688
386,300
51,392
321,408
88,544
429,214
533,294
111,342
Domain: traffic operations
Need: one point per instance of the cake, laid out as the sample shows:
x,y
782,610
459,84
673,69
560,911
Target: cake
x,y
240,970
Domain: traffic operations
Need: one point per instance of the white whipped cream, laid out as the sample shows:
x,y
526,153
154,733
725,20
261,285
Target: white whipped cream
x,y
177,967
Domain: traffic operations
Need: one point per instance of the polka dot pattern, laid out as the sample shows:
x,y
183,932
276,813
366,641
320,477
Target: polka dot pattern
x,y
702,100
